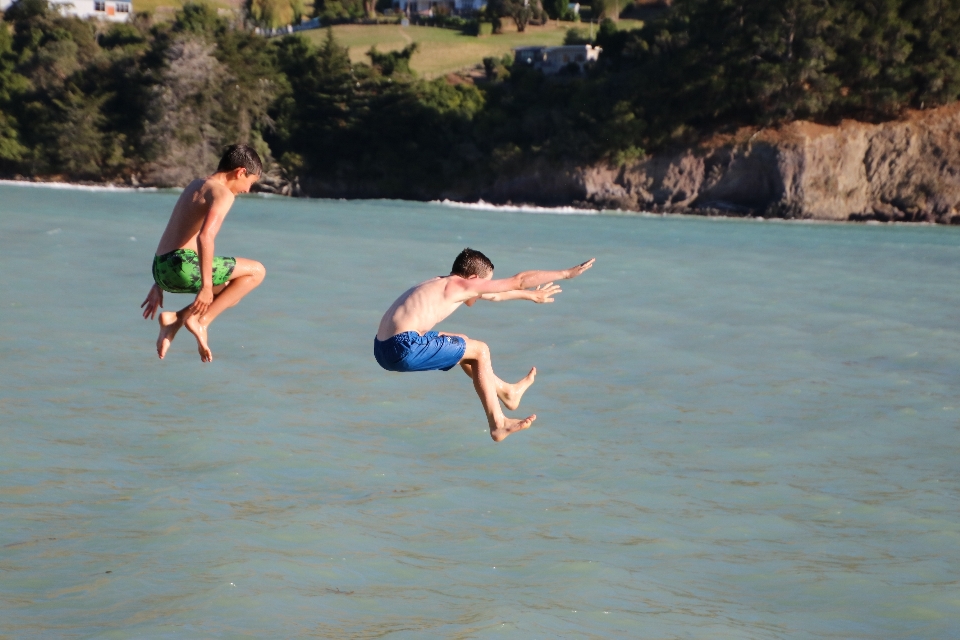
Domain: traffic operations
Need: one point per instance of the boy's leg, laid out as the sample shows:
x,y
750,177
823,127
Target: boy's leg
x,y
171,322
477,356
247,276
509,394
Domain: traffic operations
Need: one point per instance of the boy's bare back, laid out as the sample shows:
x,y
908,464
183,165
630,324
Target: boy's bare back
x,y
200,197
420,308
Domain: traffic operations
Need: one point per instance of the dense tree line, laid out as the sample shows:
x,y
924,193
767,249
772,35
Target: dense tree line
x,y
155,101
95,101
711,62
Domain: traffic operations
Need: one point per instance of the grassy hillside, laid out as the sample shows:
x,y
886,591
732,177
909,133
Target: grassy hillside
x,y
443,50
166,8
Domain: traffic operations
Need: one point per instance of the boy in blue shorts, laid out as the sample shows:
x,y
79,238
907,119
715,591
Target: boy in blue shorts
x,y
404,341
185,260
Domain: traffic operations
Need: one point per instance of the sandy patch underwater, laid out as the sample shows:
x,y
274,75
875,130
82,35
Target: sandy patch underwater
x,y
745,431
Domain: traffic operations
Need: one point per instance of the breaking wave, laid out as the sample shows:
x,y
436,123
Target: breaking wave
x,y
486,206
71,185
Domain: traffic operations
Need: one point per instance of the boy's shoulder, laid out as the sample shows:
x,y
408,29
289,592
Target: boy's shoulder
x,y
432,283
214,189
454,287
434,287
202,194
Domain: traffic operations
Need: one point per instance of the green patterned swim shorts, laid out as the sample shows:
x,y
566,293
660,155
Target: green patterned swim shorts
x,y
179,271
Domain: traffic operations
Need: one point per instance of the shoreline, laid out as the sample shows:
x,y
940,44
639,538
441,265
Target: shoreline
x,y
896,172
80,186
482,205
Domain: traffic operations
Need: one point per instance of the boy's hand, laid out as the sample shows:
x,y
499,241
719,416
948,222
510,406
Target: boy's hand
x,y
152,303
203,301
580,268
544,293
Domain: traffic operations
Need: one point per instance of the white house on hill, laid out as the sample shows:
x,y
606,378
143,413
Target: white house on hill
x,y
551,60
427,7
110,10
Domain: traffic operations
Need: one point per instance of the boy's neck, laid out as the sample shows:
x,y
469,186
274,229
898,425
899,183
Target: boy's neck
x,y
223,177
220,176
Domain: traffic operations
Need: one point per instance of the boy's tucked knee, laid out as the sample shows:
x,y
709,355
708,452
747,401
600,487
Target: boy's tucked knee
x,y
482,350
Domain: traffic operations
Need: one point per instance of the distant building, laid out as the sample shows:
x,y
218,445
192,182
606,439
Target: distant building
x,y
429,7
110,10
551,60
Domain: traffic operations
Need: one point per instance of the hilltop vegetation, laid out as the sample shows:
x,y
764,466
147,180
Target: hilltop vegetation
x,y
154,102
440,51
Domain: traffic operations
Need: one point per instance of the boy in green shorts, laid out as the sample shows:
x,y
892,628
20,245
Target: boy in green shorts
x,y
185,260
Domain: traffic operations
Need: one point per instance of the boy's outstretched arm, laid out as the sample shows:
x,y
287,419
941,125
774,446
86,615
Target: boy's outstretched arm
x,y
467,288
542,294
153,302
529,279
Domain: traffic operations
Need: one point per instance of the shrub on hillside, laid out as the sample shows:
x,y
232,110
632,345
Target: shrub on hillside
x,y
274,13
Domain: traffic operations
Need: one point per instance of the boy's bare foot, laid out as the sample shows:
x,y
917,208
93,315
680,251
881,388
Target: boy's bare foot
x,y
170,323
511,425
200,333
513,392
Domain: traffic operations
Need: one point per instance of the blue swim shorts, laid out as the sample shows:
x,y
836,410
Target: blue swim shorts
x,y
409,351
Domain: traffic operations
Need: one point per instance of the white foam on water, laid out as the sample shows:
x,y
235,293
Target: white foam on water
x,y
74,186
481,205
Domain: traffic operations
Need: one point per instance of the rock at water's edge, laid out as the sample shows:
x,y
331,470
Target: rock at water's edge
x,y
905,170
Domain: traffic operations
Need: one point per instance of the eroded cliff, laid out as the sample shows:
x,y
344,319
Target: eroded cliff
x,y
904,170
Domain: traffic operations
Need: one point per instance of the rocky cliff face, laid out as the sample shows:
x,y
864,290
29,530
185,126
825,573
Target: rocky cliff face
x,y
906,170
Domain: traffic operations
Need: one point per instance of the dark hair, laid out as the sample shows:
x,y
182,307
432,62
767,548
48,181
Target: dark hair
x,y
471,263
240,155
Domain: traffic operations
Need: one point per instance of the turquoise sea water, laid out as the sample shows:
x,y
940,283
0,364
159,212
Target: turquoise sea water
x,y
746,430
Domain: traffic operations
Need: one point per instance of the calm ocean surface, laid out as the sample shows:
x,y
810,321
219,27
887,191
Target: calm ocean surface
x,y
746,430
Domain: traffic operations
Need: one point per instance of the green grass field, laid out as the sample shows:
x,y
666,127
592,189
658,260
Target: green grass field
x,y
166,8
444,51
